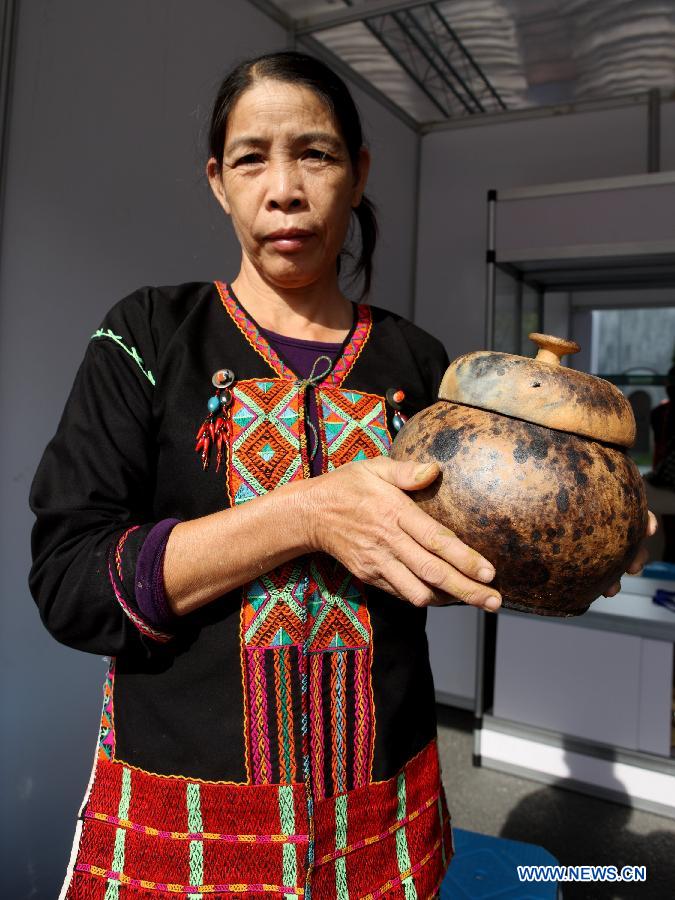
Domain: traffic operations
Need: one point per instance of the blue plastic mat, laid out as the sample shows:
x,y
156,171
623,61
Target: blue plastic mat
x,y
484,867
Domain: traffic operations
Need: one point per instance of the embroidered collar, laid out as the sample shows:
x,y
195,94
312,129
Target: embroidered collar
x,y
351,348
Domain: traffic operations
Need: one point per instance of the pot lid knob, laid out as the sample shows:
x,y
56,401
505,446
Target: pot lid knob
x,y
551,348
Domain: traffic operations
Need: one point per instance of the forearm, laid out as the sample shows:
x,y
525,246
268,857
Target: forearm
x,y
207,557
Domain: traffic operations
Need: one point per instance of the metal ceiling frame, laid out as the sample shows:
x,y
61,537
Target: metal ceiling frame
x,y
301,31
374,9
342,68
560,109
424,53
433,57
415,49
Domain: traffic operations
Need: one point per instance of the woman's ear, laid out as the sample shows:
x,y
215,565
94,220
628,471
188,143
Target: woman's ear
x,y
360,176
215,176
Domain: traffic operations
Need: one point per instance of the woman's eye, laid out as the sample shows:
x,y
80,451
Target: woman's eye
x,y
314,153
249,159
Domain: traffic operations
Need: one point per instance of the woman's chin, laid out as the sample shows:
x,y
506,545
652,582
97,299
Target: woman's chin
x,y
292,275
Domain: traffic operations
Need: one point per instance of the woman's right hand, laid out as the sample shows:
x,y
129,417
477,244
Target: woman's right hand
x,y
360,514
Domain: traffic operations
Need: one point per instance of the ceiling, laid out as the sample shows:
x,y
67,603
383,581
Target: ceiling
x,y
453,59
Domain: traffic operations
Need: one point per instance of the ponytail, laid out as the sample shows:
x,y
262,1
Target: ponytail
x,y
365,213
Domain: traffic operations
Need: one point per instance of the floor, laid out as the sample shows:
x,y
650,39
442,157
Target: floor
x,y
575,828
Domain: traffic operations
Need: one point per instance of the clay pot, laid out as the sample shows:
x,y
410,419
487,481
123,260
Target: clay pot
x,y
534,474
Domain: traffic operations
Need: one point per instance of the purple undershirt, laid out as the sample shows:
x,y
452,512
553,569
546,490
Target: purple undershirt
x,y
301,356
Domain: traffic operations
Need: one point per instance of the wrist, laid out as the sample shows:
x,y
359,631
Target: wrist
x,y
305,513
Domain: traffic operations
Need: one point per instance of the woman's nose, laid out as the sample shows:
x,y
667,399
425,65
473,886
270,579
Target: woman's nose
x,y
285,190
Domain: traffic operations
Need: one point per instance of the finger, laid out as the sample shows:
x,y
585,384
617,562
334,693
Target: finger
x,y
444,543
638,564
613,591
407,475
441,576
652,524
407,586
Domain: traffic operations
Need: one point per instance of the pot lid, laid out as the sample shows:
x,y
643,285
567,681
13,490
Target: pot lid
x,y
542,391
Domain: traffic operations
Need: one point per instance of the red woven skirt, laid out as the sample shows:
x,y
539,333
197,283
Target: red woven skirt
x,y
148,836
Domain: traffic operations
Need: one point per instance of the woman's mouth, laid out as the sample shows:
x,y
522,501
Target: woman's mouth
x,y
289,240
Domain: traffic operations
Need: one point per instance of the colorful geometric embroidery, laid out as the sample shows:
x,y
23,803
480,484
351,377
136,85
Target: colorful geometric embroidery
x,y
272,629
142,832
299,622
340,812
197,835
266,445
164,887
354,426
341,711
307,623
106,739
250,331
353,348
358,848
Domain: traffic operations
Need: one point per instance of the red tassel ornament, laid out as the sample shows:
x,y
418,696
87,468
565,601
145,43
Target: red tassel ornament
x,y
215,429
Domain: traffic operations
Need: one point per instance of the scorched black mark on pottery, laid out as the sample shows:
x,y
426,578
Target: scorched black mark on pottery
x,y
446,443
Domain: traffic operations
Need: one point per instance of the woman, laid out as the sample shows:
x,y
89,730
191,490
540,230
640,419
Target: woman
x,y
268,722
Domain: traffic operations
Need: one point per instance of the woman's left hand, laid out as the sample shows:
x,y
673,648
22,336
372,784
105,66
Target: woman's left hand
x,y
641,556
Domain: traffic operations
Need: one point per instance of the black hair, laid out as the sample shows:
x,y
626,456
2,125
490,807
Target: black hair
x,y
307,71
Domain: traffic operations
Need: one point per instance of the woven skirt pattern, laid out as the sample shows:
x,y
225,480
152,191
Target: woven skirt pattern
x,y
148,836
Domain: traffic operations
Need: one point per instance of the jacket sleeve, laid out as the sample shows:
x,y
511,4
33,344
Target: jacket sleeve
x,y
92,497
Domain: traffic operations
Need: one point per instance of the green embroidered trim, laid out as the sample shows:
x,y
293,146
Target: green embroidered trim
x,y
112,890
125,799
289,851
341,886
402,854
133,352
194,810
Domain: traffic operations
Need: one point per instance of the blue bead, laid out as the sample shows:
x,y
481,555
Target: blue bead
x,y
397,422
214,403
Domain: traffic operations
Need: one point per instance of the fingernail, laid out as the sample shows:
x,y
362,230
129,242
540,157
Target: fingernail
x,y
487,573
423,471
492,604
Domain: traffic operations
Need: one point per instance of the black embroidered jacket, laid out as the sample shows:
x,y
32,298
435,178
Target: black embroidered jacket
x,y
305,680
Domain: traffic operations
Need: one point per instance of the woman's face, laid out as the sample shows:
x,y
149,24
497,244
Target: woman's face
x,y
287,182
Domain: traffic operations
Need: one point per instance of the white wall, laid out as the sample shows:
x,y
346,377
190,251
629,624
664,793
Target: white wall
x,y
460,165
105,193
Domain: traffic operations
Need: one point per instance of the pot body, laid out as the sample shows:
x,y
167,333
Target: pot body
x,y
559,516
